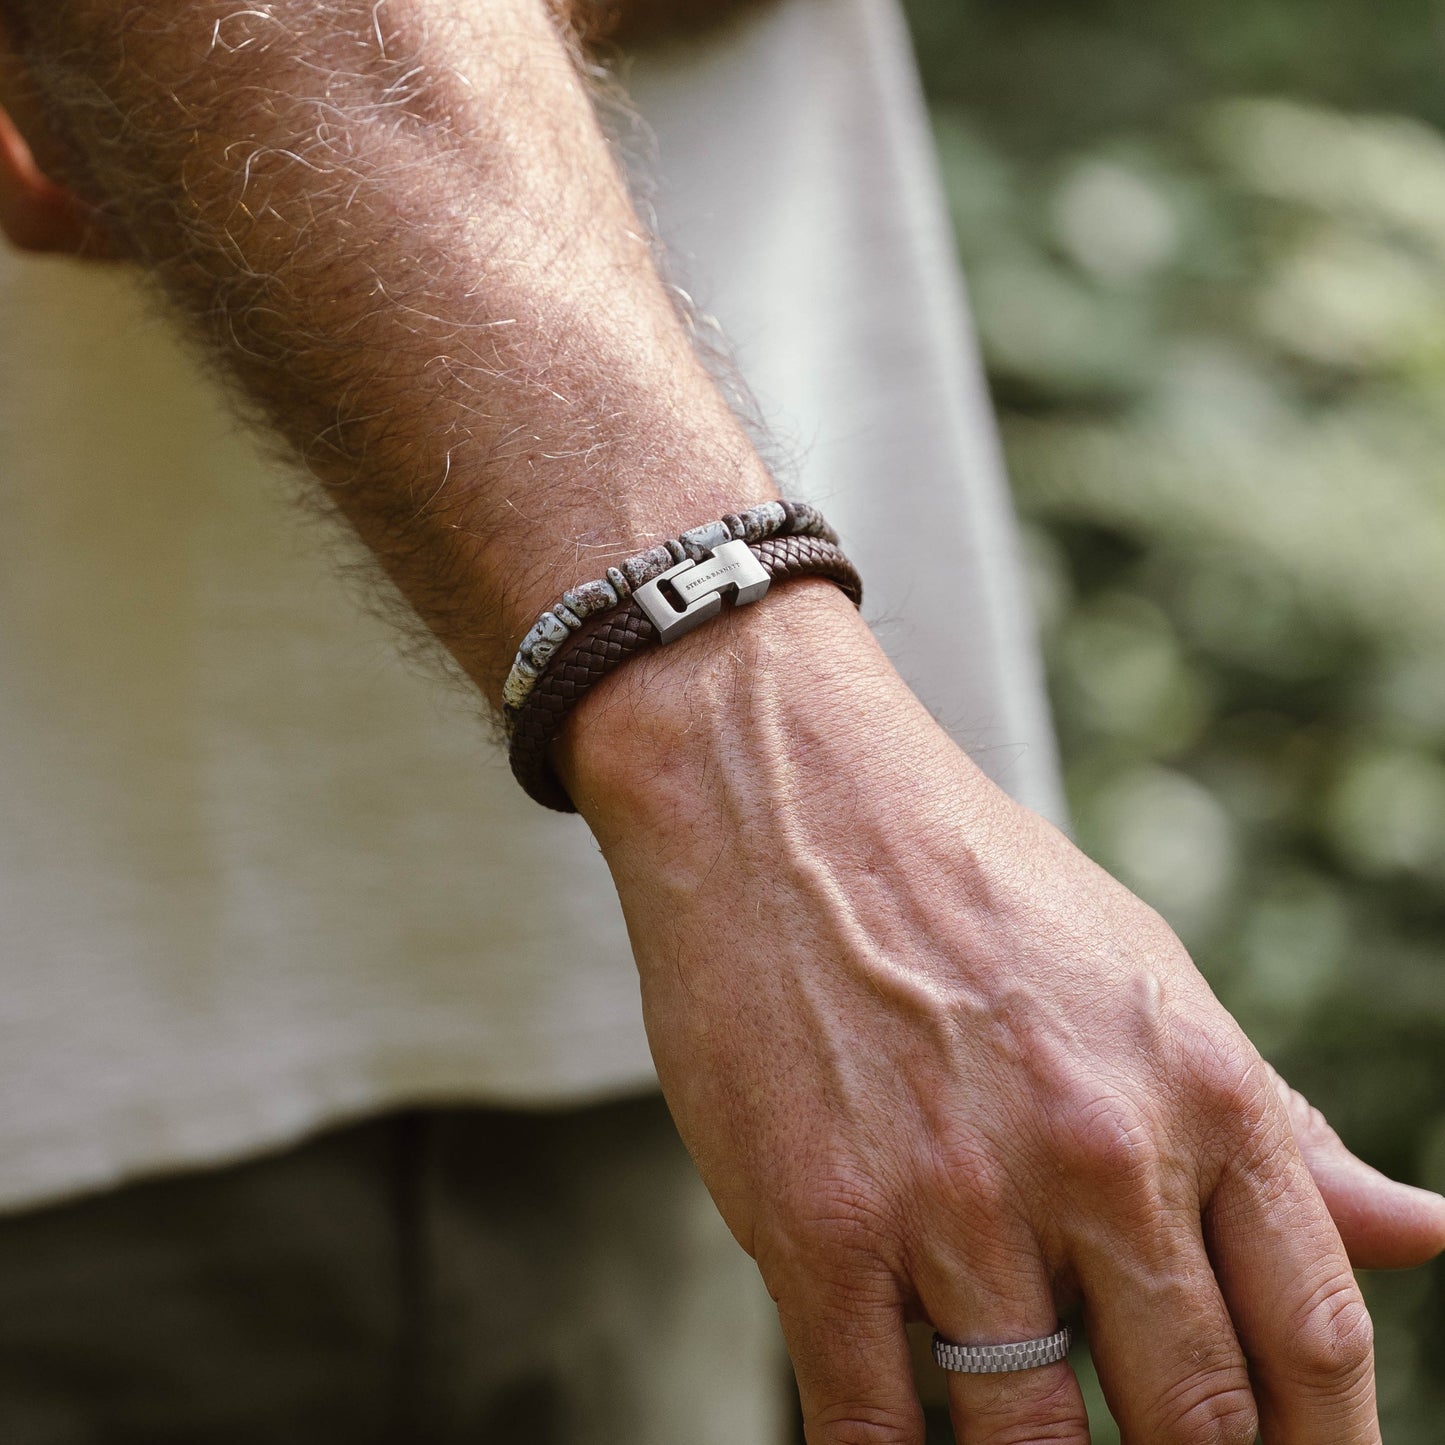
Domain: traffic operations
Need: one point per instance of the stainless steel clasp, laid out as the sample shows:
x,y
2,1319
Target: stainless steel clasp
x,y
694,590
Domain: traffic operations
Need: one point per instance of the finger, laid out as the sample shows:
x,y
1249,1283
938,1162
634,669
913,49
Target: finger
x,y
1164,1345
1384,1224
1043,1403
1006,1300
850,1354
1298,1311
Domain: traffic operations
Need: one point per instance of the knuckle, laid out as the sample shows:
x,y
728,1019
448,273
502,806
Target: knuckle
x,y
1039,1432
1107,1141
1061,1432
841,1215
1209,1407
852,1299
1237,1089
865,1425
1056,1415
1333,1340
1232,1102
834,1240
1229,1080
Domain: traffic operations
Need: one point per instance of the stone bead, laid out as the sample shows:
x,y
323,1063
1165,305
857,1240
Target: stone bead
x,y
698,542
767,519
547,628
590,597
620,585
602,594
519,683
646,565
569,618
676,551
548,633
737,530
807,521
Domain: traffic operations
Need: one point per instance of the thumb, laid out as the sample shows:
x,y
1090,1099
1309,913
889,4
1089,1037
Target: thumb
x,y
1384,1224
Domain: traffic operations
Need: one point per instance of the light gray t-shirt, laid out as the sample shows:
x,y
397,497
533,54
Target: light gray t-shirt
x,y
257,875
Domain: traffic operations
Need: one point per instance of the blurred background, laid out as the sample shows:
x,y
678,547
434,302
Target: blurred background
x,y
1206,247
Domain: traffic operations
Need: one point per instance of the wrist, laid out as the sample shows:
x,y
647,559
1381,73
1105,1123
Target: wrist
x,y
649,732
766,702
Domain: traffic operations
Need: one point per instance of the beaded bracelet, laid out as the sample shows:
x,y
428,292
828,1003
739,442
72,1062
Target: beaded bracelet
x,y
568,613
670,595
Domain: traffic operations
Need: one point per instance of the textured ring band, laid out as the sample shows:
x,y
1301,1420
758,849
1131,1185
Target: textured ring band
x,y
1002,1359
607,640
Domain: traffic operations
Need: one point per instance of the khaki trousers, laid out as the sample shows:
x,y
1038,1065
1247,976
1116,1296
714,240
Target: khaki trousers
x,y
436,1276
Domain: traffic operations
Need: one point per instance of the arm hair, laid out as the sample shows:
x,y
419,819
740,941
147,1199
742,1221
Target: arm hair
x,y
397,227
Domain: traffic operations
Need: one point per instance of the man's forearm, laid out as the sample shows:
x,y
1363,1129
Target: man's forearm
x,y
929,1059
400,229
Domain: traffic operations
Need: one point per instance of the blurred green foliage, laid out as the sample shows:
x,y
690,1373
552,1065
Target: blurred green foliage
x,y
1206,248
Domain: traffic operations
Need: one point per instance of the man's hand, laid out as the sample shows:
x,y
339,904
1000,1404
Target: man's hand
x,y
935,1064
930,1060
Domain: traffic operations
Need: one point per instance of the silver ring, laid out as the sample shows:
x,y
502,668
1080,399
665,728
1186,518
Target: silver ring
x,y
1002,1359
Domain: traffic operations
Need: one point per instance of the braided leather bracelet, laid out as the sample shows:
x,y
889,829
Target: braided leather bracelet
x,y
607,639
568,613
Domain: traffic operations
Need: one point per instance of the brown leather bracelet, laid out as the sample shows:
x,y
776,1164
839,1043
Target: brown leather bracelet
x,y
753,524
607,640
